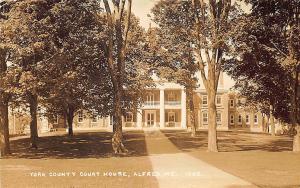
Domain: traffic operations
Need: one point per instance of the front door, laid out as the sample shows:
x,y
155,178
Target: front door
x,y
150,119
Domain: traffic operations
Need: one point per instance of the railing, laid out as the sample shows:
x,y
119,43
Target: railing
x,y
173,103
151,103
129,124
173,124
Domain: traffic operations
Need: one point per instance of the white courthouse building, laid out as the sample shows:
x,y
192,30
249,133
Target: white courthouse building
x,y
165,107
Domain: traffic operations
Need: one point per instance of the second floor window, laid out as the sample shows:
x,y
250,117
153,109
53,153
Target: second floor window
x,y
171,96
204,117
150,98
204,99
231,103
219,99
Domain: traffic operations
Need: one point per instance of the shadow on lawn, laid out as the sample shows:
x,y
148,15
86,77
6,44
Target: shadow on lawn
x,y
230,141
81,145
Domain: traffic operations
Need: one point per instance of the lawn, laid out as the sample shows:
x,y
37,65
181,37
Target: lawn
x,y
86,153
257,158
261,159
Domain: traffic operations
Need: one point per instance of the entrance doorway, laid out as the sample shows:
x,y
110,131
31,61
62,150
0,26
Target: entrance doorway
x,y
150,119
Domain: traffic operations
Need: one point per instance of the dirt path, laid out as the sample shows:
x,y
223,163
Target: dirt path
x,y
177,169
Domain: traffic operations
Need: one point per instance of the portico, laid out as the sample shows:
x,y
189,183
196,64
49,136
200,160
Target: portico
x,y
163,107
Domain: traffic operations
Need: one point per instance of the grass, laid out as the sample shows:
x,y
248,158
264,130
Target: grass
x,y
257,158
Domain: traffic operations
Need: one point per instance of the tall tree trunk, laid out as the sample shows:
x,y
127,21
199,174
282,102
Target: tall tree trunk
x,y
33,105
117,139
117,66
4,128
70,117
295,112
190,99
272,122
212,123
4,123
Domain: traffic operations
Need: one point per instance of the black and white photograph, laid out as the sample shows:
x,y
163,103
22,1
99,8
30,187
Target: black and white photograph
x,y
150,93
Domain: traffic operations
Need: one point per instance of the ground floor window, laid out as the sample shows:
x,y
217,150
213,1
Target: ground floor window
x,y
255,119
94,118
247,119
129,117
219,117
80,117
240,119
111,122
56,119
171,117
231,119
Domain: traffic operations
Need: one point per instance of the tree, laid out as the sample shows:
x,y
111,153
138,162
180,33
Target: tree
x,y
76,73
267,44
116,64
125,57
8,75
4,96
172,50
209,23
26,30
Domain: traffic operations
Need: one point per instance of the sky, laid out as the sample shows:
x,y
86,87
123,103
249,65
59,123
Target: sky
x,y
141,8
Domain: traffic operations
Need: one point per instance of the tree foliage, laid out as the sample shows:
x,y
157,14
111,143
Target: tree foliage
x,y
266,44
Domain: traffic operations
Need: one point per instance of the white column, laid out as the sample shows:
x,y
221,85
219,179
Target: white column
x,y
183,109
162,108
139,118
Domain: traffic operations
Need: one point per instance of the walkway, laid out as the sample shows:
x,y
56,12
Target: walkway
x,y
178,169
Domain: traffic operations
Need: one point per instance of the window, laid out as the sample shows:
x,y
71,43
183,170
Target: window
x,y
247,119
239,102
94,118
204,99
56,119
80,117
150,99
219,99
171,96
231,103
240,119
255,119
231,119
129,117
219,117
204,117
111,122
171,117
